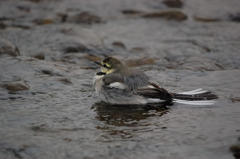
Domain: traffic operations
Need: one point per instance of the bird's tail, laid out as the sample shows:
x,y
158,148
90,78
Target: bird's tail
x,y
195,97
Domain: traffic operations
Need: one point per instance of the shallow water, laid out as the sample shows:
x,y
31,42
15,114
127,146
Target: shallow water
x,y
52,111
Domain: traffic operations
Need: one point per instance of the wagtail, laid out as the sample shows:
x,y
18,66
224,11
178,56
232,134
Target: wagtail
x,y
123,85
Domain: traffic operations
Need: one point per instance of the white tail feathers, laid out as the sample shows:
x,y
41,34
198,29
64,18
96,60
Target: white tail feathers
x,y
199,102
193,92
198,91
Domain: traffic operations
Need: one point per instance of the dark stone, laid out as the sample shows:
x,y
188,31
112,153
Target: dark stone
x,y
75,48
85,18
16,86
235,17
40,56
43,21
119,44
173,3
3,26
131,12
170,15
206,20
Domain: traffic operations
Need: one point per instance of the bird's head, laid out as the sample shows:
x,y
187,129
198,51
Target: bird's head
x,y
110,65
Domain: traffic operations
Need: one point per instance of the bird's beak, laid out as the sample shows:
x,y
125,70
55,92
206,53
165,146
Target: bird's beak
x,y
98,63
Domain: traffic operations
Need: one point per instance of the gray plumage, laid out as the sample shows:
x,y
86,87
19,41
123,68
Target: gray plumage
x,y
120,84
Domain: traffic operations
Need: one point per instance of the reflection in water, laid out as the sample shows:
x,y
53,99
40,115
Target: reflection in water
x,y
126,115
126,120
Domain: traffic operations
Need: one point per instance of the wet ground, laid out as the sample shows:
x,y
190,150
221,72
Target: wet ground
x,y
48,105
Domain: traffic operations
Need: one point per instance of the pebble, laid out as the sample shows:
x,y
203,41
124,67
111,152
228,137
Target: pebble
x,y
7,47
16,86
170,15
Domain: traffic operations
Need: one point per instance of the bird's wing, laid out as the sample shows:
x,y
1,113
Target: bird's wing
x,y
135,78
128,81
113,80
154,91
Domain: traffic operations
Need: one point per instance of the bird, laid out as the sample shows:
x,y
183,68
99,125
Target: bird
x,y
119,84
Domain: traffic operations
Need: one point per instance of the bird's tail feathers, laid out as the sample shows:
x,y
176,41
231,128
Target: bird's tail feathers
x,y
195,97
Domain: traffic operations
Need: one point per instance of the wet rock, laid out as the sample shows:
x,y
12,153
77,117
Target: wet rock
x,y
206,20
35,1
82,36
75,48
235,17
39,56
119,44
6,47
199,64
89,67
131,12
137,49
24,8
170,15
43,21
51,72
16,86
3,26
140,62
63,17
92,58
65,80
84,18
235,99
173,3
22,26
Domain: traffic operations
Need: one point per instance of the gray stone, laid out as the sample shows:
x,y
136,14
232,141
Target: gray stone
x,y
7,47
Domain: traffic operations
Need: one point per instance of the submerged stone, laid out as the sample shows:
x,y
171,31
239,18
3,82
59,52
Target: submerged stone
x,y
7,47
140,62
16,86
170,15
84,18
173,3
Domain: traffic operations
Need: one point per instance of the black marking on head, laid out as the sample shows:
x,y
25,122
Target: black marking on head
x,y
100,73
104,65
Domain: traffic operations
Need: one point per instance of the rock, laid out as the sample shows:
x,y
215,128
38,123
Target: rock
x,y
199,64
170,15
235,17
39,56
63,17
235,99
6,47
92,58
65,80
83,36
16,86
140,62
43,21
51,72
35,1
206,20
131,12
173,3
3,26
84,18
74,48
119,45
